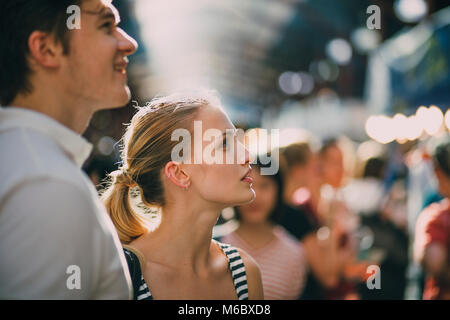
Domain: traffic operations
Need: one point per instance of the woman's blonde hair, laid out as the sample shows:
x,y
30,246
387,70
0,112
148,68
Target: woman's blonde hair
x,y
147,147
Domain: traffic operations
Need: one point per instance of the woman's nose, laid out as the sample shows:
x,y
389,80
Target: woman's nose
x,y
248,158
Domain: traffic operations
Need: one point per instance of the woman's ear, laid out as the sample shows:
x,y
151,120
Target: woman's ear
x,y
176,174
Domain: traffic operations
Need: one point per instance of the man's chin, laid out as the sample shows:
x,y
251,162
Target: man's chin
x,y
120,100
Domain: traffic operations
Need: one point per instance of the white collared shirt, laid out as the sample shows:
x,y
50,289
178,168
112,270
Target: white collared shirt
x,y
56,239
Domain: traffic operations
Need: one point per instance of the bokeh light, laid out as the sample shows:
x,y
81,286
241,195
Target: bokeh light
x,y
410,10
339,50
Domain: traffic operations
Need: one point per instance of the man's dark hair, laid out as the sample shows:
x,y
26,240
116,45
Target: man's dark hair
x,y
18,19
441,156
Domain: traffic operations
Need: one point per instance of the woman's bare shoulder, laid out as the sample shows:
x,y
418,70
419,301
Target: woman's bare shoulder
x,y
254,282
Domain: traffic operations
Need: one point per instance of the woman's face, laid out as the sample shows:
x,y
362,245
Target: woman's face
x,y
266,196
332,166
228,183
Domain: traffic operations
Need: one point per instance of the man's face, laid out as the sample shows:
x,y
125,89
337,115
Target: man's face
x,y
97,59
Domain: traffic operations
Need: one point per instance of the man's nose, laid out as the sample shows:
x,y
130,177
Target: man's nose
x,y
126,43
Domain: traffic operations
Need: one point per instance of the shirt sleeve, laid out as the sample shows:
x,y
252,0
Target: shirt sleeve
x,y
430,228
436,230
53,246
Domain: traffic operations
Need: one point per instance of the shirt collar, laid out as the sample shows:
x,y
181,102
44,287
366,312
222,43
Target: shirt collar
x,y
74,145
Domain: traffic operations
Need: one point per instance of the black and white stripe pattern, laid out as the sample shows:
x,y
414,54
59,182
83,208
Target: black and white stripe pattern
x,y
142,292
140,288
237,270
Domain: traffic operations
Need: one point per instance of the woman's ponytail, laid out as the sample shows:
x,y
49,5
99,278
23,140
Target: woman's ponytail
x,y
129,224
147,148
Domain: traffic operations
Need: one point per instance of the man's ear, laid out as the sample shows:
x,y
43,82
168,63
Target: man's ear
x,y
176,174
44,50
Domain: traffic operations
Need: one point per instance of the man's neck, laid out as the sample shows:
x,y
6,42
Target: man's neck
x,y
66,112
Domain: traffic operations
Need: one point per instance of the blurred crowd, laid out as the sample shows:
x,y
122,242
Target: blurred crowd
x,y
349,207
335,209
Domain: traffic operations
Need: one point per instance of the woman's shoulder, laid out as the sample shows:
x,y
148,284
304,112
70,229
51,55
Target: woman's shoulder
x,y
254,280
134,264
135,260
231,239
252,272
134,256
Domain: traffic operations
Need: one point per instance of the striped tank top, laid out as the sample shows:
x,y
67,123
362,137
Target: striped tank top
x,y
142,291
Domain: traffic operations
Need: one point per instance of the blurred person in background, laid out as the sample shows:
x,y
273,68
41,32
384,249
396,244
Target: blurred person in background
x,y
331,159
279,255
56,239
325,258
178,259
301,181
385,240
432,237
422,191
335,216
98,168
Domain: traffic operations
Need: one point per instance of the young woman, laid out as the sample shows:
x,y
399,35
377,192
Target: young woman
x,y
179,259
279,255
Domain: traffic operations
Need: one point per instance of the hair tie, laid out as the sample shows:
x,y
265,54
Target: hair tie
x,y
123,177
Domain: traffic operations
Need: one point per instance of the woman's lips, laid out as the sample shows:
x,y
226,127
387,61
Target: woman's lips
x,y
247,179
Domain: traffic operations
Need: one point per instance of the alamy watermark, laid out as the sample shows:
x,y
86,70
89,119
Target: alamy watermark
x,y
73,281
374,20
374,279
74,20
231,141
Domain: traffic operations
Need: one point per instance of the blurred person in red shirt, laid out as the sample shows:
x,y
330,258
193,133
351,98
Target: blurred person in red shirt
x,y
432,237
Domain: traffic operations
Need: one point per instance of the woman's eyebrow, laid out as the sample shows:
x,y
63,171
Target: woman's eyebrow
x,y
229,131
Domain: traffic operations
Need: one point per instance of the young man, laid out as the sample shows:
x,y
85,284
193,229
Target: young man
x,y
56,240
432,237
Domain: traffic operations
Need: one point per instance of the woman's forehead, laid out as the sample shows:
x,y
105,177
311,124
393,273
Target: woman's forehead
x,y
215,117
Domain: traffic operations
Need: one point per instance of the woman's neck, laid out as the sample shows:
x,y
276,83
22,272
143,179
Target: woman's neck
x,y
182,240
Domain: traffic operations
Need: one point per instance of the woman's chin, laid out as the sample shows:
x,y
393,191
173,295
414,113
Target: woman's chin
x,y
241,198
251,195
